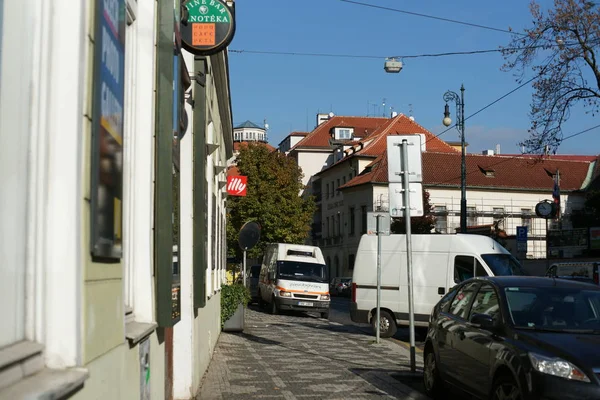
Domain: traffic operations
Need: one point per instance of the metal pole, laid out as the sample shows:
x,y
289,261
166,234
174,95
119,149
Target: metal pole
x,y
378,329
547,248
244,276
463,167
406,194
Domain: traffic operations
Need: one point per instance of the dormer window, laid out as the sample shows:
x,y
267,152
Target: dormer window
x,y
343,133
487,171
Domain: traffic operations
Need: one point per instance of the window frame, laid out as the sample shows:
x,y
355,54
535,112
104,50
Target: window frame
x,y
476,286
498,300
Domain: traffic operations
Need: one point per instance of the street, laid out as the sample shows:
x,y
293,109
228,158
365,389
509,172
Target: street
x,y
302,356
340,313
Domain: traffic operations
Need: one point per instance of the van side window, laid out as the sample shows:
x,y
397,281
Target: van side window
x,y
466,267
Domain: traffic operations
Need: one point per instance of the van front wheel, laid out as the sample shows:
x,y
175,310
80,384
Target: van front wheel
x,y
274,308
387,324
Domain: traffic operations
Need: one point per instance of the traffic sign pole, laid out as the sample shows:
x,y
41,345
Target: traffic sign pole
x,y
406,193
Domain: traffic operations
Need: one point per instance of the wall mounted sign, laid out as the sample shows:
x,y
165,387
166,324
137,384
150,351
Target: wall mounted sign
x,y
236,185
107,129
207,26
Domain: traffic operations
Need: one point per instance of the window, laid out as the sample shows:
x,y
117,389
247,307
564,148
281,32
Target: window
x,y
351,261
327,190
525,216
337,225
363,217
460,304
471,216
486,302
337,187
441,219
466,267
332,189
349,177
327,232
344,134
343,180
352,220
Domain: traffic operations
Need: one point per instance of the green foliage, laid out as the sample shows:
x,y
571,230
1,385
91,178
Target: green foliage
x,y
231,297
273,200
419,225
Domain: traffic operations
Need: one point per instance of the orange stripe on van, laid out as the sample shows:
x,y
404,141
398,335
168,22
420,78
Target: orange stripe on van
x,y
299,291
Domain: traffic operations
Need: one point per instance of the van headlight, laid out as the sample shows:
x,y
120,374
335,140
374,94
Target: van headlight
x,y
324,297
557,367
284,294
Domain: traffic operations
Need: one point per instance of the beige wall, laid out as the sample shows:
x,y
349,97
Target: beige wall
x,y
207,327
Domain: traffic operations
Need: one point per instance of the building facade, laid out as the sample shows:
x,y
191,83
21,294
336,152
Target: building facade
x,y
502,190
113,246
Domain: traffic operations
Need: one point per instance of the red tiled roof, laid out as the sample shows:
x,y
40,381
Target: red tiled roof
x,y
566,157
237,145
319,137
402,125
298,133
443,169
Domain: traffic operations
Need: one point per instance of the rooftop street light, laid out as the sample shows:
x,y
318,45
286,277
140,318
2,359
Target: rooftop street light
x,y
460,126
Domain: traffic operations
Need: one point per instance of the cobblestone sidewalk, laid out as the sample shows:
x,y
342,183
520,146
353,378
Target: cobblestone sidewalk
x,y
303,357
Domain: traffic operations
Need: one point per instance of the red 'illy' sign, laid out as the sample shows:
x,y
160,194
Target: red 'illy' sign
x,y
236,185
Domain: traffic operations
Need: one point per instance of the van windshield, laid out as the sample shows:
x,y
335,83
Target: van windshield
x,y
301,271
503,264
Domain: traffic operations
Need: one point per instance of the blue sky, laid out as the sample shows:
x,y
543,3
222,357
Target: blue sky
x,y
289,90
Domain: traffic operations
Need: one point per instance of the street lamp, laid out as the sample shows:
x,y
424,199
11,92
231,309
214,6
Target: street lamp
x,y
460,126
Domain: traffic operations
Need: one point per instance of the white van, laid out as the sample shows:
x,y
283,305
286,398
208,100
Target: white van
x,y
439,262
294,277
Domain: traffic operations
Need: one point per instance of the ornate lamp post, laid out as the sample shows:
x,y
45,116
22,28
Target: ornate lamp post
x,y
460,126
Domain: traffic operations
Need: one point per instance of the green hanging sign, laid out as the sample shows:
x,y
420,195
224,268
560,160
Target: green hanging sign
x,y
207,26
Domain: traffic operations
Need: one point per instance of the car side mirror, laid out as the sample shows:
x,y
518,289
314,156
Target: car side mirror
x,y
484,321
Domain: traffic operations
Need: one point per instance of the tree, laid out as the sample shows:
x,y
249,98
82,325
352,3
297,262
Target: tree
x,y
273,200
424,224
562,49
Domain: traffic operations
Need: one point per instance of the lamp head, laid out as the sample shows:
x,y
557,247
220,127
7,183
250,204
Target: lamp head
x,y
447,121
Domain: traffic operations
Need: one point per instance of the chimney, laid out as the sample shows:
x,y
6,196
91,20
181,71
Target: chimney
x,y
498,149
321,117
394,114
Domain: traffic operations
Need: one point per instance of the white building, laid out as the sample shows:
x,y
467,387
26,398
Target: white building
x,y
353,180
92,303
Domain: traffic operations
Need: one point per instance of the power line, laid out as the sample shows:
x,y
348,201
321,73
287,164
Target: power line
x,y
433,17
487,106
290,53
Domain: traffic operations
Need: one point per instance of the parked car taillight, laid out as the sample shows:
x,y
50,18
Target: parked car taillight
x,y
353,292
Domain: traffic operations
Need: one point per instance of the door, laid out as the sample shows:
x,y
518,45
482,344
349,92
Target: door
x,y
473,345
453,331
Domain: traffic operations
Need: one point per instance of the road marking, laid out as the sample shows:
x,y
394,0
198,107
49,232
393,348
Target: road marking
x,y
406,345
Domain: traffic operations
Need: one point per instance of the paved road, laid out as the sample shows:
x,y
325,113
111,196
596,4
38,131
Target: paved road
x,y
300,356
340,312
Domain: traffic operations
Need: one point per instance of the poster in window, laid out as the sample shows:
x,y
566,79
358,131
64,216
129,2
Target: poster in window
x,y
107,130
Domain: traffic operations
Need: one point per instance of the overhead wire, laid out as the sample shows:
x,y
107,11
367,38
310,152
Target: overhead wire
x,y
454,21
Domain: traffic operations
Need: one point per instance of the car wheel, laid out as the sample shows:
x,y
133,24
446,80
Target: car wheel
x,y
387,324
325,315
431,375
505,388
274,308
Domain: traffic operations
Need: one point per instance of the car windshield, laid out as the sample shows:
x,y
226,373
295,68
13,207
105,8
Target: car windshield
x,y
503,264
301,271
555,309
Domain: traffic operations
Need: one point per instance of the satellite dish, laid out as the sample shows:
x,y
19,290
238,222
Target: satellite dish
x,y
249,235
